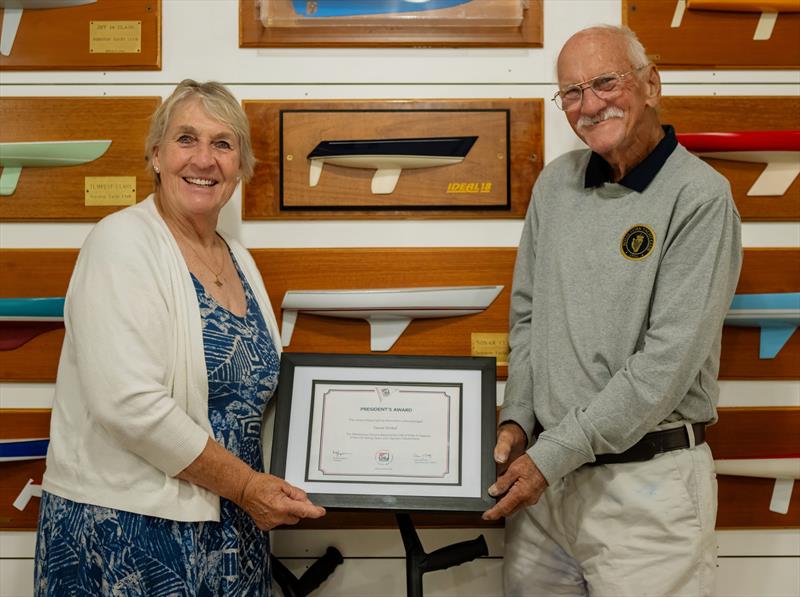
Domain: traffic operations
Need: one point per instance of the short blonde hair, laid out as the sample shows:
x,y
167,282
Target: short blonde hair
x,y
220,104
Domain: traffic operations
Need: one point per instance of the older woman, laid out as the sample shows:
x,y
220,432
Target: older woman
x,y
168,363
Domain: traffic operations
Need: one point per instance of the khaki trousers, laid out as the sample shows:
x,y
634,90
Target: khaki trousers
x,y
633,529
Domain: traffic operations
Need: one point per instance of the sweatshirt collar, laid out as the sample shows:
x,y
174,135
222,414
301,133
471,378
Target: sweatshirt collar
x,y
598,171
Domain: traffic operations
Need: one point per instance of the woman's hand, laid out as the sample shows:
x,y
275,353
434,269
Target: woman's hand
x,y
271,502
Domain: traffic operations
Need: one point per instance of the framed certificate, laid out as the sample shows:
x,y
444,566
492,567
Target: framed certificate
x,y
387,431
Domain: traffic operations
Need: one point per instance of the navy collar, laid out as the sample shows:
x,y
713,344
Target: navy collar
x,y
598,170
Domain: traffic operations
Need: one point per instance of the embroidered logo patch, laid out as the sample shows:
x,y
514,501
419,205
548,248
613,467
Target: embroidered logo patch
x,y
638,242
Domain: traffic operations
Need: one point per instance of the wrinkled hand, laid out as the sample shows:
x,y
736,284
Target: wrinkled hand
x,y
511,442
271,502
518,476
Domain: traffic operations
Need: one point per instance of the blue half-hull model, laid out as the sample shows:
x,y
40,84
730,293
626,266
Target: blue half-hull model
x,y
22,319
23,449
777,314
351,8
388,157
29,309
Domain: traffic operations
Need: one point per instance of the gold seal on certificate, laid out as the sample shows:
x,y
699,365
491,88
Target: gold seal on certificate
x,y
387,431
365,432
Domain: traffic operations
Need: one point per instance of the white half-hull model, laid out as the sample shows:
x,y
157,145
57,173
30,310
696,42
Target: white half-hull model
x,y
27,154
779,150
388,157
387,310
765,468
12,15
784,470
767,9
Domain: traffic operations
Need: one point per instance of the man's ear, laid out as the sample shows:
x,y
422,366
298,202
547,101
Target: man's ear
x,y
653,87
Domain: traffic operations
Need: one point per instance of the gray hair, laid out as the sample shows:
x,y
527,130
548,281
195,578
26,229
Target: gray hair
x,y
634,48
220,104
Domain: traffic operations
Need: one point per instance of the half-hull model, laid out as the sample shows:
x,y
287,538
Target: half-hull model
x,y
351,8
777,314
768,10
12,450
388,157
22,319
387,310
12,15
779,150
784,469
16,156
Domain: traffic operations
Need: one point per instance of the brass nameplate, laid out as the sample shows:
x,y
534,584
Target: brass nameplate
x,y
109,190
115,37
490,345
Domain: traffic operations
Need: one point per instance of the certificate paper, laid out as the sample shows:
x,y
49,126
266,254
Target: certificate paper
x,y
385,433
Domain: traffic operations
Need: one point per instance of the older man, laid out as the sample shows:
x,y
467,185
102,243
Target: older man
x,y
628,260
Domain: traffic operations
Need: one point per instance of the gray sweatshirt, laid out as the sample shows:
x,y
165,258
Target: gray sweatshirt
x,y
617,308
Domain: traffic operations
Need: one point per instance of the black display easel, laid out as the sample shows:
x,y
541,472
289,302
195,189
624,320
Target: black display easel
x,y
316,574
418,562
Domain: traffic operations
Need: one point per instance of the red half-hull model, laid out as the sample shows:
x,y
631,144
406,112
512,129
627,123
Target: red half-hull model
x,y
779,150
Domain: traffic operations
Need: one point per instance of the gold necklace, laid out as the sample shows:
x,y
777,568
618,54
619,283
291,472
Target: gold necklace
x,y
217,281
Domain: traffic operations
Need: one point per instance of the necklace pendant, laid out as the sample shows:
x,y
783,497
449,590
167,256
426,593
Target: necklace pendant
x,y
218,283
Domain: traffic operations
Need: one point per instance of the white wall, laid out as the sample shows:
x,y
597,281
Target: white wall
x,y
200,40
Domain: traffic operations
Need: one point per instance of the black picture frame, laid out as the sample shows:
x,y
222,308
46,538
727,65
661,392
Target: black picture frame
x,y
470,384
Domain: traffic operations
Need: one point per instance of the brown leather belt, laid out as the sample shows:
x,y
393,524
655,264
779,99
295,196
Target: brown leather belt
x,y
654,443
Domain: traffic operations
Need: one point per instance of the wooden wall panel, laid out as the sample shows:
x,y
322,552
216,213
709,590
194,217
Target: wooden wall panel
x,y
763,270
292,269
740,433
59,38
59,193
753,432
692,114
252,34
709,39
21,424
45,272
270,194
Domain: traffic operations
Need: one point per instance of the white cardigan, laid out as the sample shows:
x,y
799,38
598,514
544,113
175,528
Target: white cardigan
x,y
131,400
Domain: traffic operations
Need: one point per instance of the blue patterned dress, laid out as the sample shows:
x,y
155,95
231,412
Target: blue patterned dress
x,y
82,549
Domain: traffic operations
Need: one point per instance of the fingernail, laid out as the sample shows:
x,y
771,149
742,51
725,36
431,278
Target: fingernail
x,y
499,459
493,490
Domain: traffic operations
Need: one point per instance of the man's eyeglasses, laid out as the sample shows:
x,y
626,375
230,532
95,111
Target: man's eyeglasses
x,y
605,86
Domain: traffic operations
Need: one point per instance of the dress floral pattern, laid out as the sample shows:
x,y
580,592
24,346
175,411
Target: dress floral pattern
x,y
83,549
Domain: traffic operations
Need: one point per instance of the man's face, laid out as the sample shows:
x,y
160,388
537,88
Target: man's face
x,y
613,125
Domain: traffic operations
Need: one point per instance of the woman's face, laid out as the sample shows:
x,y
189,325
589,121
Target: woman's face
x,y
198,160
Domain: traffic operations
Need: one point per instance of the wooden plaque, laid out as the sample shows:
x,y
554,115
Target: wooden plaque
x,y
494,180
754,432
287,29
61,193
763,270
710,39
21,424
46,272
694,114
102,35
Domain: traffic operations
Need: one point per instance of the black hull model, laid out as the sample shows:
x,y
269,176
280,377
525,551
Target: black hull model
x,y
389,156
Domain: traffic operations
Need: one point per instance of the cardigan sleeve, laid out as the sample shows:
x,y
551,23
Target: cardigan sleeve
x,y
122,323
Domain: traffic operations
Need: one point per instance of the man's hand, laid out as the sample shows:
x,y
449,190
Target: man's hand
x,y
517,475
511,442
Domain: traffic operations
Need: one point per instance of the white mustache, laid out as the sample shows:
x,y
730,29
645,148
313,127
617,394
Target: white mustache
x,y
607,114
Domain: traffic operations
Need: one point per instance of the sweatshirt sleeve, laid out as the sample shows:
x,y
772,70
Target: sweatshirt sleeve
x,y
518,395
694,286
122,324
